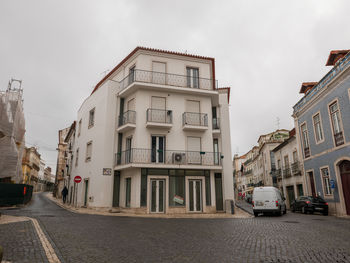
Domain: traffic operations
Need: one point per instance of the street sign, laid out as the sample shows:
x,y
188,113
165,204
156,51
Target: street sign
x,y
332,183
77,179
107,171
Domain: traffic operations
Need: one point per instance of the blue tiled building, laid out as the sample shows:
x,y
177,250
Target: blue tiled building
x,y
322,121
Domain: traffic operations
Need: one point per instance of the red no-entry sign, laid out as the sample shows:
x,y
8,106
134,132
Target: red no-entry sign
x,y
77,179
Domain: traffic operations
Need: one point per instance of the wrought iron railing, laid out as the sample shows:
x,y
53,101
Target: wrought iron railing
x,y
296,168
148,156
160,78
127,117
286,172
276,173
338,68
159,116
339,138
247,172
216,123
195,119
307,152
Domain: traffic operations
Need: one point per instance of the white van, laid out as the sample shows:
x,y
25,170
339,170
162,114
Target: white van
x,y
268,199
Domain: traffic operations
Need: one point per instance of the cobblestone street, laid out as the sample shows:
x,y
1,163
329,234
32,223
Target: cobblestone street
x,y
94,238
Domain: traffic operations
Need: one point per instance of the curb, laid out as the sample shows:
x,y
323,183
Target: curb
x,y
245,209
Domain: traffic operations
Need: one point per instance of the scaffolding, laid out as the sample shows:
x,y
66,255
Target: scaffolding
x,y
12,130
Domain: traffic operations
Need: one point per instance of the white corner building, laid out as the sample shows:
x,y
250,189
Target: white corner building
x,y
154,137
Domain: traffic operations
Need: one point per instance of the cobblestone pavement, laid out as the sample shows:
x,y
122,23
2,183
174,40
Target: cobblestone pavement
x,y
21,243
94,238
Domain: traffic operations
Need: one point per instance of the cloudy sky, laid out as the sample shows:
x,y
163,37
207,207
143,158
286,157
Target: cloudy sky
x,y
263,50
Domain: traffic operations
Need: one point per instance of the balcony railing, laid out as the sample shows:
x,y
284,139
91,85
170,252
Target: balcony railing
x,y
127,117
336,70
216,123
339,138
286,172
195,119
247,172
160,78
152,156
296,168
276,173
307,152
159,116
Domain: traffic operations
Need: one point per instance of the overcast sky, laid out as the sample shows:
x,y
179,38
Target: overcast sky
x,y
263,51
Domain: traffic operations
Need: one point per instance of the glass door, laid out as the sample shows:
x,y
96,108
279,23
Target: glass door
x,y
158,149
157,196
128,150
195,194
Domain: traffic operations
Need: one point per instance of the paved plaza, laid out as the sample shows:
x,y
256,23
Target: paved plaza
x,y
94,238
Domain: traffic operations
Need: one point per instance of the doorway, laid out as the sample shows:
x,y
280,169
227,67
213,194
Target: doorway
x,y
116,188
344,168
128,153
218,192
312,183
86,184
290,193
157,196
195,195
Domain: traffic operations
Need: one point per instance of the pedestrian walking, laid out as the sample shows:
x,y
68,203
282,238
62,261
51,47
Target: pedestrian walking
x,y
64,194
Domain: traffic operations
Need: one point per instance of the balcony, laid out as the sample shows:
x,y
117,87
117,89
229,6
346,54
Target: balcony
x,y
333,73
159,118
339,139
286,172
216,125
167,157
277,173
193,121
296,169
127,121
168,80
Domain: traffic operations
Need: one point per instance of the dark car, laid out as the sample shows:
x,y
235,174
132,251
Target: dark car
x,y
310,204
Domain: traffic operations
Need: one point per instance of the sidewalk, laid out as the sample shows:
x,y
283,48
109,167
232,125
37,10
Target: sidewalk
x,y
245,206
238,212
20,240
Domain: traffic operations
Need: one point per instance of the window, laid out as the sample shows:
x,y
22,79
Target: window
x,y
132,74
77,157
79,128
127,192
305,140
207,189
143,187
192,77
336,124
88,151
177,190
326,182
91,117
317,128
194,150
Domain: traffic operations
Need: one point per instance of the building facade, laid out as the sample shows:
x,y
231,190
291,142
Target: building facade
x,y
258,168
31,167
322,121
289,171
61,162
154,137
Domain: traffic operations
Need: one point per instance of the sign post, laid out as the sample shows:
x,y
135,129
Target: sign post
x,y
77,180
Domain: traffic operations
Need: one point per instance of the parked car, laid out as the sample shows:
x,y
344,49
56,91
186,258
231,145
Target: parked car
x,y
248,198
310,204
268,199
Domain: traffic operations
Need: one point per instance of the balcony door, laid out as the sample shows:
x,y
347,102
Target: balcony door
x,y
158,73
158,110
193,112
128,150
158,149
192,77
193,150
